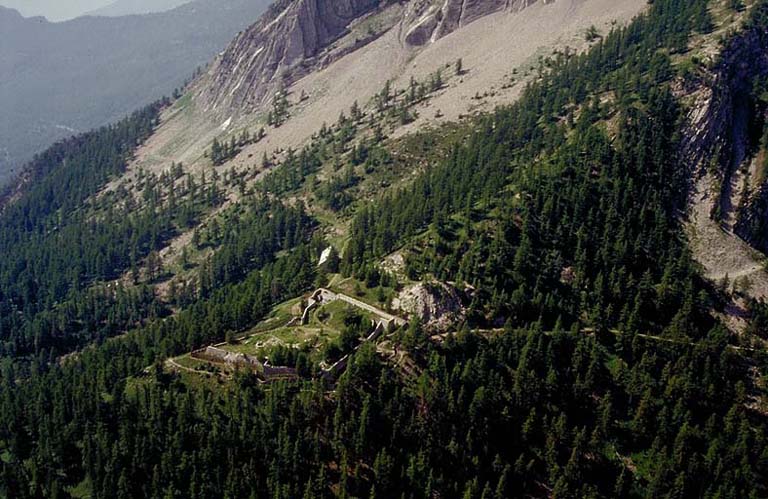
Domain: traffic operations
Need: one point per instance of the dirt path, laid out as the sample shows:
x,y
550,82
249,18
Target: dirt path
x,y
175,365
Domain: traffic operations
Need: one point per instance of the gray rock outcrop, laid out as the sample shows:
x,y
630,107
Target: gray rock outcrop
x,y
716,133
297,37
437,305
279,47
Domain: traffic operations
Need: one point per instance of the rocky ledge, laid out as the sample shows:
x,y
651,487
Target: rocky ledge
x,y
296,37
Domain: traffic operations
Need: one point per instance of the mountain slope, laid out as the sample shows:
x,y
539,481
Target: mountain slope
x,y
132,7
216,328
500,52
62,78
53,10
724,144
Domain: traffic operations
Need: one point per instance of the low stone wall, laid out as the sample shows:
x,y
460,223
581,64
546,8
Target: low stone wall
x,y
370,308
322,296
308,310
294,321
319,297
377,331
217,355
220,356
385,323
279,372
211,354
333,372
337,368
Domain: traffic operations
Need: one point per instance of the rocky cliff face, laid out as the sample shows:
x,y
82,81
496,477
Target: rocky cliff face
x,y
298,36
723,110
749,62
753,222
721,147
280,46
436,20
723,133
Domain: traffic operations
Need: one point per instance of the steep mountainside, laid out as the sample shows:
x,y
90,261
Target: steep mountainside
x,y
64,78
724,143
373,282
133,7
500,52
297,38
291,35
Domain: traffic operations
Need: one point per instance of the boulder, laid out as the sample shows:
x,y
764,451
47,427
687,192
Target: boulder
x,y
436,304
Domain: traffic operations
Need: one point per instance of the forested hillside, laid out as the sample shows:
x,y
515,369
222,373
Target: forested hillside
x,y
63,78
592,361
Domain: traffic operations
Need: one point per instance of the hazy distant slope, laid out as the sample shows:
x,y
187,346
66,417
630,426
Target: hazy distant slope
x,y
54,10
129,7
60,78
